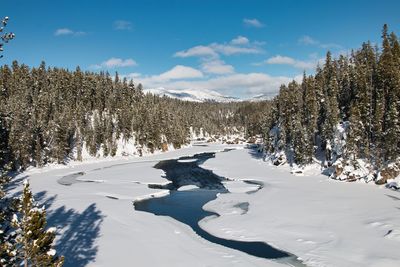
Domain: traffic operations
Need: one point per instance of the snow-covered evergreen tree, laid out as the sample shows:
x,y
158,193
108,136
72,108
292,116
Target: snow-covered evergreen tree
x,y
349,108
33,241
7,233
356,132
5,36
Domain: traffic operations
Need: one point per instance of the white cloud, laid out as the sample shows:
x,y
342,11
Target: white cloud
x,y
133,75
228,50
210,56
197,51
115,63
240,40
308,40
180,72
281,60
246,83
122,25
239,45
217,67
66,31
253,23
284,60
221,77
331,45
232,84
63,31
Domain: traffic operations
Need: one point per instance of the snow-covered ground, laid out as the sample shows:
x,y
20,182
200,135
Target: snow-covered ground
x,y
325,222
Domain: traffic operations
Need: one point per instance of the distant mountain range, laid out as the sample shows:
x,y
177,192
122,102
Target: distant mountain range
x,y
262,97
202,95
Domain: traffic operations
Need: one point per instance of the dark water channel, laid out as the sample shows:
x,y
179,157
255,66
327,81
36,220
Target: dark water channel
x,y
186,206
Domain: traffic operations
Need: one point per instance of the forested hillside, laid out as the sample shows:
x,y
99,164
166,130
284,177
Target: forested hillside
x,y
46,114
346,114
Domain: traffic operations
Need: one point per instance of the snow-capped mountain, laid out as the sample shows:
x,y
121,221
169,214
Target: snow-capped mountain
x,y
204,95
192,95
262,97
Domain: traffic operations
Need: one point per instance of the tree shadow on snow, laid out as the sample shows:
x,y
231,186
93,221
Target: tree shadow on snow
x,y
42,199
77,231
80,231
14,183
255,151
393,197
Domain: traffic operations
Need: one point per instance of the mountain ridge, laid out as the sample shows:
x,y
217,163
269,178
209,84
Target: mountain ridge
x,y
202,95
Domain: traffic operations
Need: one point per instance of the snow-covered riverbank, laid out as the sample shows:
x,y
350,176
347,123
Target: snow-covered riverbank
x,y
326,223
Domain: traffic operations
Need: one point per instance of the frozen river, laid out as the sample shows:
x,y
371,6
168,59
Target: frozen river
x,y
215,212
186,206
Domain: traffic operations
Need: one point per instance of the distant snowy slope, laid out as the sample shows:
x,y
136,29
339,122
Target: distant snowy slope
x,y
192,95
262,97
205,95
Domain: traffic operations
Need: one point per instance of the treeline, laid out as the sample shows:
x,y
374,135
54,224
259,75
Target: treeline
x,y
348,110
49,114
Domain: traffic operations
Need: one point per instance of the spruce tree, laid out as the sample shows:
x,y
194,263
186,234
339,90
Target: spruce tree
x,y
354,141
310,106
300,141
392,133
34,242
389,82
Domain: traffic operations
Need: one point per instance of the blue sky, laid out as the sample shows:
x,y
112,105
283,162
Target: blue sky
x,y
239,48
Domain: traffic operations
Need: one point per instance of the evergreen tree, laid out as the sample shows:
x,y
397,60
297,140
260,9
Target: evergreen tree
x,y
4,139
5,36
353,101
310,106
26,241
300,141
388,78
392,133
7,233
34,242
330,104
355,136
